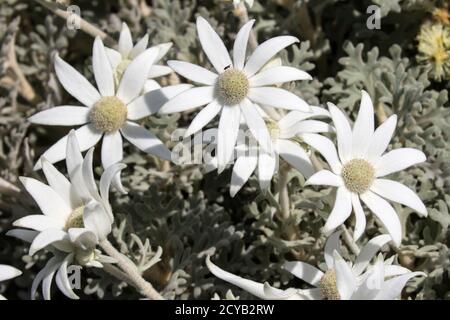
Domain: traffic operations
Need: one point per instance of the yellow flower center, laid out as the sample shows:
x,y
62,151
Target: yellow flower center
x,y
75,219
232,87
108,114
328,286
358,175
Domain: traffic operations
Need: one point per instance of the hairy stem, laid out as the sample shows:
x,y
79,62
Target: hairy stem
x,y
349,241
84,25
131,271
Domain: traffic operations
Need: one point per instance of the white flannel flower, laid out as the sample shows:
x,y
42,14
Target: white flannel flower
x,y
341,280
357,169
126,52
6,273
237,87
76,217
109,112
285,134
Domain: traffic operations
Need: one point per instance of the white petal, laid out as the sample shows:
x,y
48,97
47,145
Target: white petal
x,y
106,179
255,288
112,152
307,126
24,235
392,288
74,159
256,125
394,270
213,46
193,72
203,117
381,138
58,182
368,252
158,71
265,51
8,272
398,192
163,49
62,281
145,140
272,293
277,98
372,282
325,178
345,280
331,245
150,85
266,168
75,83
83,238
363,126
387,215
360,217
125,41
46,238
48,278
397,160
343,133
135,76
97,220
88,175
277,75
139,47
103,72
227,134
87,136
326,148
46,272
242,170
294,154
38,222
61,116
341,210
304,271
189,99
293,117
114,57
240,45
57,208
152,101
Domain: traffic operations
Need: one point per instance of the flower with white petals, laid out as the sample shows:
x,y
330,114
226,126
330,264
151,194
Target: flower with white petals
x,y
236,89
285,134
110,111
126,52
6,273
340,280
76,217
357,168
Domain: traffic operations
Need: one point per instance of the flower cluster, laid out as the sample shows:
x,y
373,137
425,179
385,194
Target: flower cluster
x,y
246,93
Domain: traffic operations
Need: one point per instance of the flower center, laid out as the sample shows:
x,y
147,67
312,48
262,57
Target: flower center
x,y
75,219
328,286
358,175
120,70
232,87
108,114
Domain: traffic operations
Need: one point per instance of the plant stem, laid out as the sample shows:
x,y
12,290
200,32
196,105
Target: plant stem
x,y
283,194
131,271
349,241
84,25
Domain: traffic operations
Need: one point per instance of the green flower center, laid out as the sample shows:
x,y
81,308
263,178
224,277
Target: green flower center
x,y
328,286
120,70
108,114
232,87
75,219
358,175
